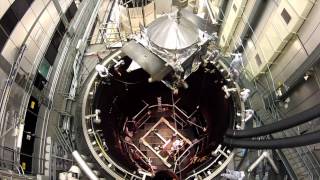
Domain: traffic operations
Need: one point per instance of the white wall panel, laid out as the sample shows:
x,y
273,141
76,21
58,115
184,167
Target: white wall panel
x,y
11,1
46,22
18,34
10,51
53,12
265,50
32,51
44,1
65,4
5,4
36,31
277,31
136,18
124,19
297,50
231,21
149,13
25,66
298,13
40,34
292,55
263,19
311,23
241,25
250,65
28,20
37,6
301,7
313,40
309,32
293,65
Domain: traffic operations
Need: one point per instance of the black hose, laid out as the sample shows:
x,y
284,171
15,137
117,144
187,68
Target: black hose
x,y
295,141
289,122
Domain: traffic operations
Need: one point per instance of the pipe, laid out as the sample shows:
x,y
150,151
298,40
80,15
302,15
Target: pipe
x,y
302,140
289,122
264,155
84,166
272,163
256,162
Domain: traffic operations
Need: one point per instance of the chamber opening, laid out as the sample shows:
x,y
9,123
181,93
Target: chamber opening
x,y
146,126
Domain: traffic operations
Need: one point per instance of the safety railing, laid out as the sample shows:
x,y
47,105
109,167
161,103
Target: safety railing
x,y
13,170
12,166
5,174
58,88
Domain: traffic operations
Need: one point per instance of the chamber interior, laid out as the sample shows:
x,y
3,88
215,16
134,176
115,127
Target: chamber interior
x,y
146,126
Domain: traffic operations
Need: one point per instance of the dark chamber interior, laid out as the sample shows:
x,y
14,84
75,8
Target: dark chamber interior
x,y
121,97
